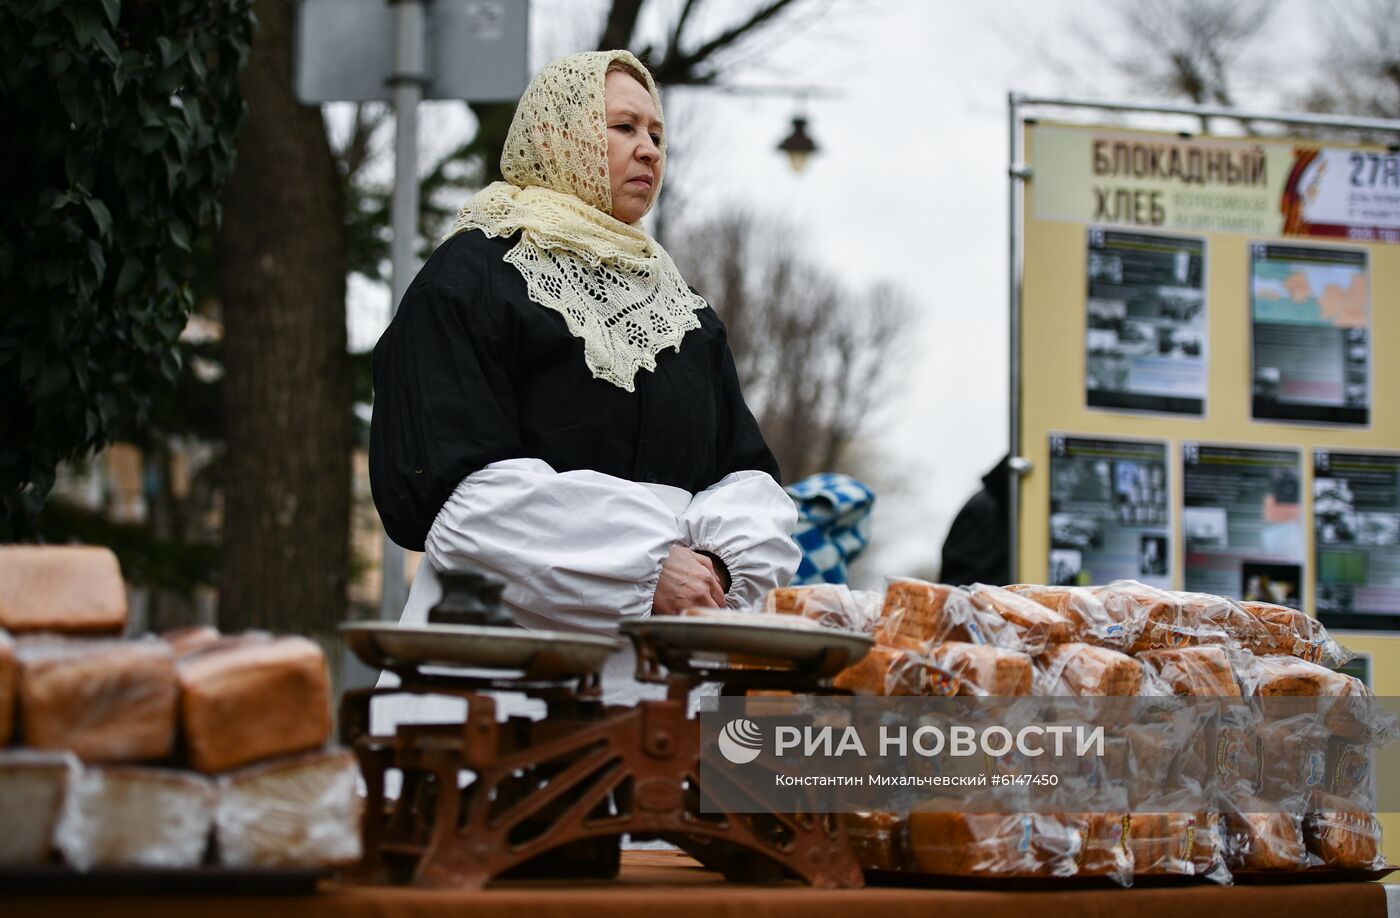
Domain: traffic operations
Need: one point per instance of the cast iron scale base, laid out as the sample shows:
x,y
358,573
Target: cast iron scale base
x,y
552,797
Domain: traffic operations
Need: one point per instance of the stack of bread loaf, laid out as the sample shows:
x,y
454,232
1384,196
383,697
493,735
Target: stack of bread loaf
x,y
191,749
1130,640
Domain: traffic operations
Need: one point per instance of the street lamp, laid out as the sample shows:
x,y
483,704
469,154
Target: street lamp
x,y
799,146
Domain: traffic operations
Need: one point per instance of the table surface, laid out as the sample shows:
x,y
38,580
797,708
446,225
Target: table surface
x,y
670,884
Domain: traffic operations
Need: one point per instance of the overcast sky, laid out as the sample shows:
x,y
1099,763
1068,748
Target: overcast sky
x,y
910,186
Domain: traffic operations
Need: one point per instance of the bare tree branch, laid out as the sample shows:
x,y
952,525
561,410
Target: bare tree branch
x,y
621,24
679,66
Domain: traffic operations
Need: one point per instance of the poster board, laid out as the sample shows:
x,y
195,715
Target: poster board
x,y
1217,226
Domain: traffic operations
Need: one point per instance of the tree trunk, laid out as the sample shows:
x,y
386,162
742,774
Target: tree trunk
x,y
281,256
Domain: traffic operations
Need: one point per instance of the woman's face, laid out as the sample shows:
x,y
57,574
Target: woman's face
x,y
634,141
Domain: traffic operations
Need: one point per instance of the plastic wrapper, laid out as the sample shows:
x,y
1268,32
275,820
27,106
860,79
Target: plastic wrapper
x,y
1036,625
63,589
1161,619
302,812
888,671
976,669
1350,771
753,617
107,701
1350,710
32,789
184,641
1169,754
878,840
1106,624
1289,632
9,687
1341,834
995,844
1104,851
1202,672
1256,837
832,605
136,817
254,702
916,613
1085,670
1220,612
1177,843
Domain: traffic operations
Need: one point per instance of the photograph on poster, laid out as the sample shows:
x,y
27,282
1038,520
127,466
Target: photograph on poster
x,y
1145,321
1356,527
1242,521
1310,334
1109,513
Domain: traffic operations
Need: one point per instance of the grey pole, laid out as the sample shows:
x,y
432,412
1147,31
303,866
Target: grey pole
x,y
407,82
1017,173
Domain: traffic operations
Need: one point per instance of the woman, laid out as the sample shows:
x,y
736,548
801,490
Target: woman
x,y
554,405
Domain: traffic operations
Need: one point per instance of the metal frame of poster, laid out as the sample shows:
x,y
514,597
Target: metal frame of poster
x,y
1129,495
1143,340
1305,319
1337,522
1208,534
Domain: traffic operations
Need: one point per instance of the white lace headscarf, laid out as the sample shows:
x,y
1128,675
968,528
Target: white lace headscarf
x,y
615,286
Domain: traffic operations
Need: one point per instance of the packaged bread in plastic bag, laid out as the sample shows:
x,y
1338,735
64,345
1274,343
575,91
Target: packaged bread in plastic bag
x,y
1202,672
1259,835
1162,619
995,844
888,671
1293,633
1036,625
1180,843
1086,670
304,811
1341,834
126,816
33,785
878,840
1104,851
1094,621
107,701
977,669
833,605
1350,709
9,687
915,613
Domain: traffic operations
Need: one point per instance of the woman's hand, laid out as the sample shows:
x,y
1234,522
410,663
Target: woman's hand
x,y
687,579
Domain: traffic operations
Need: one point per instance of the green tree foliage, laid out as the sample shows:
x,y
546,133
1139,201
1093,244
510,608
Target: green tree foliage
x,y
119,132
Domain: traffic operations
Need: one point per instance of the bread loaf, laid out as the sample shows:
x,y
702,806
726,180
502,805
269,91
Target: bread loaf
x,y
1093,621
1287,676
1288,631
254,702
107,701
1036,625
1104,853
994,844
887,671
66,589
9,687
978,669
32,788
1083,669
916,613
1162,619
1256,839
302,811
877,840
1175,843
1341,834
136,817
830,604
1194,671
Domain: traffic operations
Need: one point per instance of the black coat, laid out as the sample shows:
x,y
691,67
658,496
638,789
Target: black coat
x,y
471,371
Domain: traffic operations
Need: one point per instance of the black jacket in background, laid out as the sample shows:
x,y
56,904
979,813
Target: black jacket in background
x,y
978,544
471,372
